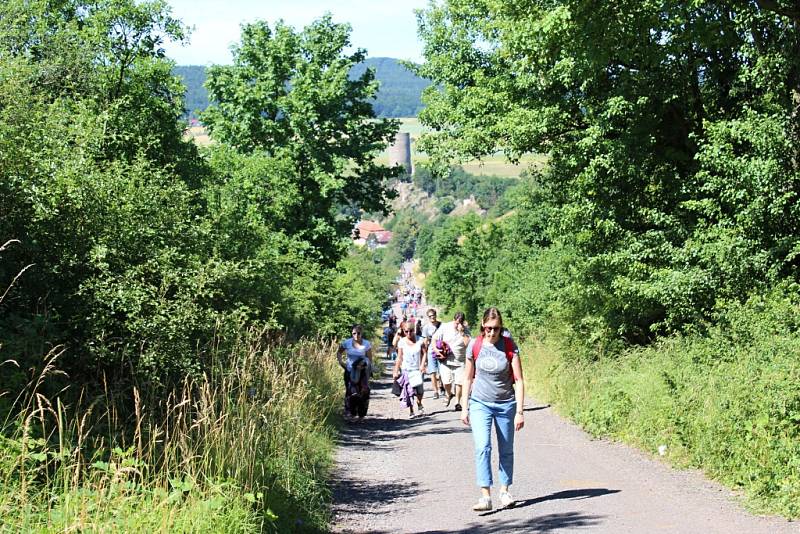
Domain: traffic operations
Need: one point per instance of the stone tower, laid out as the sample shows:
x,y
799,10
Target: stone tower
x,y
400,152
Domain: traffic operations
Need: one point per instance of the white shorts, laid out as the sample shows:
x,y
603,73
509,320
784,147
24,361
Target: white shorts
x,y
451,374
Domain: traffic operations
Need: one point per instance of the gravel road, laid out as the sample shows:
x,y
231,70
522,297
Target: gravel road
x,y
396,474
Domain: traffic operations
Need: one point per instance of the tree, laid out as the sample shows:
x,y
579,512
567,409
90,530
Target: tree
x,y
95,183
289,95
646,110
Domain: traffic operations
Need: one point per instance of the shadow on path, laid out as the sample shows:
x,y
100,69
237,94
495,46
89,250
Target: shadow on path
x,y
545,523
362,495
576,494
537,408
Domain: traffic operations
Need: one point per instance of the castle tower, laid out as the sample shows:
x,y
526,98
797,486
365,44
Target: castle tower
x,y
400,152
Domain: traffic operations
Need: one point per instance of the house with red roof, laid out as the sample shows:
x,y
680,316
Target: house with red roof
x,y
372,234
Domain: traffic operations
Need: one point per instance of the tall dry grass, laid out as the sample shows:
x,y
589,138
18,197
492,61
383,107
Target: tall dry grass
x,y
245,448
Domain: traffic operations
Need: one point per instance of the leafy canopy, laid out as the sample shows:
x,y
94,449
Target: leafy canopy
x,y
289,95
671,130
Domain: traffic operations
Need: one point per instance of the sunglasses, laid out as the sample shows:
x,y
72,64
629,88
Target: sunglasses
x,y
492,328
356,333
407,331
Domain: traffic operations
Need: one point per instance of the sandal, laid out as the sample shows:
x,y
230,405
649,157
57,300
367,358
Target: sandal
x,y
484,504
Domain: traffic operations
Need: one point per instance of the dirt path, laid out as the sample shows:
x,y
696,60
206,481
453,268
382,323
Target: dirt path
x,y
399,475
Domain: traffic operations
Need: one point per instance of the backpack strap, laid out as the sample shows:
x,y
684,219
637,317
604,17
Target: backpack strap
x,y
476,347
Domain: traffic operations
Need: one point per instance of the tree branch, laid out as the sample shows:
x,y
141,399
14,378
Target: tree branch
x,y
792,11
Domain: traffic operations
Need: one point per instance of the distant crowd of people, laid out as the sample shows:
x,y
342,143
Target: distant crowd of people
x,y
481,376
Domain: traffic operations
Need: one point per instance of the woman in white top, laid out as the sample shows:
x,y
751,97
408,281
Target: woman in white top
x,y
411,361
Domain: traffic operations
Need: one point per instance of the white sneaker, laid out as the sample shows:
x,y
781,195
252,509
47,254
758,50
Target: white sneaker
x,y
507,500
484,504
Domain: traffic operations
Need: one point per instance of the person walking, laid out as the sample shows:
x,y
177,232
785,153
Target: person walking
x,y
357,369
451,371
398,335
410,366
494,392
428,331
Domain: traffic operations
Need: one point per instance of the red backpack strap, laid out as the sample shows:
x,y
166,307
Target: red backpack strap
x,y
476,347
510,348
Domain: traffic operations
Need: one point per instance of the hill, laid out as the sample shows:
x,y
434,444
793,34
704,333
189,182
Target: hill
x,y
399,94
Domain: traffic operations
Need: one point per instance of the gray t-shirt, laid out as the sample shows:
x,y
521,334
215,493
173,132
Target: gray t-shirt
x,y
493,374
427,332
448,333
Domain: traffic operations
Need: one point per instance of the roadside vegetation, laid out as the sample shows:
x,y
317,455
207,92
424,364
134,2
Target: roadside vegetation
x,y
651,267
246,448
167,310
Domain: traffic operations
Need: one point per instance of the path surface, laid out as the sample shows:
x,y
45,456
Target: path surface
x,y
399,475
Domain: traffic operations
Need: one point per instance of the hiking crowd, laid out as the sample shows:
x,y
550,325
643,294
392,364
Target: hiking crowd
x,y
480,376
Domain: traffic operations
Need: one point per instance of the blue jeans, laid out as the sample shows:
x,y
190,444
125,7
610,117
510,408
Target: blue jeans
x,y
481,416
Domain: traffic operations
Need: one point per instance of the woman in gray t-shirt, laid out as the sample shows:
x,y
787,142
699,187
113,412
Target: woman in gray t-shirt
x,y
493,375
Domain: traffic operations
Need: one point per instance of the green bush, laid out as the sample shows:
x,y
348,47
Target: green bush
x,y
728,402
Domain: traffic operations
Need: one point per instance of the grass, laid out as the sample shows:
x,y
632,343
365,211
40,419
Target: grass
x,y
199,135
494,165
727,403
245,450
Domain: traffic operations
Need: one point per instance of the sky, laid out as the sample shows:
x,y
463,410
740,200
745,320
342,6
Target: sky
x,y
386,28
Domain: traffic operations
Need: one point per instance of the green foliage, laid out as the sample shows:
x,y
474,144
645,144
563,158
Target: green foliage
x,y
357,295
671,137
289,95
404,234
658,249
88,186
459,184
143,250
445,204
727,402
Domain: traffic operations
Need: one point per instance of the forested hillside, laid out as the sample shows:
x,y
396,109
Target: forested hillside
x,y
653,265
398,96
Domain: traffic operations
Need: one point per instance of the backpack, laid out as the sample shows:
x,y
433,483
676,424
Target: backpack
x,y
509,348
444,350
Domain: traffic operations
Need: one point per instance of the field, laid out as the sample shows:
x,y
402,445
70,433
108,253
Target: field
x,y
199,135
492,165
495,164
